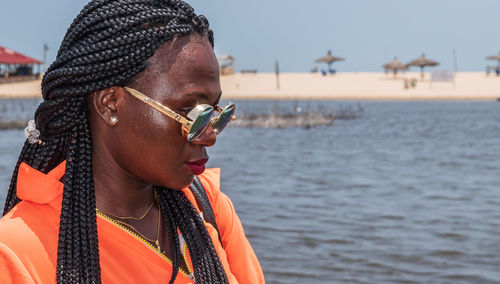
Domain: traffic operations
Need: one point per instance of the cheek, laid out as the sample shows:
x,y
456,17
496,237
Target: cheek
x,y
152,148
153,142
158,135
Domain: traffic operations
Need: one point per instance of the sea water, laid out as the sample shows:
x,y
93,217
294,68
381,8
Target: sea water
x,y
408,193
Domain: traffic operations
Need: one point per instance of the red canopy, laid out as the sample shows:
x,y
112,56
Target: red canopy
x,y
9,56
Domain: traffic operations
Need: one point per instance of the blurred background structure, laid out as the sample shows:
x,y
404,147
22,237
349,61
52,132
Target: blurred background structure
x,y
226,63
17,67
495,69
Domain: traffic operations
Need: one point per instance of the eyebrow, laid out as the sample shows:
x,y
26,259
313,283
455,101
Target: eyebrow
x,y
204,96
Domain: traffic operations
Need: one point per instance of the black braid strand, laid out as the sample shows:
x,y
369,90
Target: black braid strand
x,y
176,207
172,225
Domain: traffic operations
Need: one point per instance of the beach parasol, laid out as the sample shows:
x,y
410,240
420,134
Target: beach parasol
x,y
495,57
422,62
329,59
395,65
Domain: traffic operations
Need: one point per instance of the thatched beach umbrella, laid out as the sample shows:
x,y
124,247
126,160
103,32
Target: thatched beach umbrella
x,y
329,59
422,62
395,65
495,57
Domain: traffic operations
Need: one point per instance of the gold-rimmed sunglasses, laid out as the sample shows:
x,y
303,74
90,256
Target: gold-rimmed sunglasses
x,y
197,119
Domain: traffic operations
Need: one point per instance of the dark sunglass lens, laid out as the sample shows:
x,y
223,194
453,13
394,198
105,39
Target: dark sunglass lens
x,y
224,118
200,124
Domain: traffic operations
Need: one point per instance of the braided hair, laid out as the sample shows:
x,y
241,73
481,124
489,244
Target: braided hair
x,y
108,44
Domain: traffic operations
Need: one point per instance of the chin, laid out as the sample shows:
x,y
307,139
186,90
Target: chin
x,y
180,182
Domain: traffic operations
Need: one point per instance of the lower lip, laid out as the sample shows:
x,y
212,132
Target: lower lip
x,y
196,169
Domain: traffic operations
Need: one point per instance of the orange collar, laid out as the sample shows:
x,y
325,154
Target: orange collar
x,y
37,187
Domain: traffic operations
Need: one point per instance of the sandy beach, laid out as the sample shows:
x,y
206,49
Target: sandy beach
x,y
360,86
29,89
342,86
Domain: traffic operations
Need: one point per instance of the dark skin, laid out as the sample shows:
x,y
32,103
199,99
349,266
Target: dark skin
x,y
147,148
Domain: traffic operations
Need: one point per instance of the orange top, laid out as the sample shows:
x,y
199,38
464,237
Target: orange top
x,y
29,234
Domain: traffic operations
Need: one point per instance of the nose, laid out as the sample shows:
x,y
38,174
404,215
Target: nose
x,y
207,137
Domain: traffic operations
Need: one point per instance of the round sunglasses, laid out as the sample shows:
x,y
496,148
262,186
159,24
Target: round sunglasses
x,y
197,119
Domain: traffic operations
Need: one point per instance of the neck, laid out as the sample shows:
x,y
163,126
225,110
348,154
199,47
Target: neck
x,y
117,191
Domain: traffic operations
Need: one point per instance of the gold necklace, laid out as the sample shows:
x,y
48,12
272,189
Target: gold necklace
x,y
157,241
132,217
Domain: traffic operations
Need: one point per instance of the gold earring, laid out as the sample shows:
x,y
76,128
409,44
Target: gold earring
x,y
113,120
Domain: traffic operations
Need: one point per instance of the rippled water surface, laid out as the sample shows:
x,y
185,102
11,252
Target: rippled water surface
x,y
409,193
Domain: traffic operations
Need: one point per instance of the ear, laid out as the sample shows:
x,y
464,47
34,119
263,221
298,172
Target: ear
x,y
107,102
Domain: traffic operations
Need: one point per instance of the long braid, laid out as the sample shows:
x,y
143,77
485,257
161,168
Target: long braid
x,y
78,252
177,209
107,44
174,243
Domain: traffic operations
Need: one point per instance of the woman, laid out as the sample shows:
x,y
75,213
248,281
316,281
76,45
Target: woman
x,y
100,191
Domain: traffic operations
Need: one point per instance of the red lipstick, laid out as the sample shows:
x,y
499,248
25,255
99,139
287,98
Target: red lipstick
x,y
197,167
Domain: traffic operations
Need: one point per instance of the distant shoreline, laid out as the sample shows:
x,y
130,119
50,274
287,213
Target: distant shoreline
x,y
359,86
341,86
21,90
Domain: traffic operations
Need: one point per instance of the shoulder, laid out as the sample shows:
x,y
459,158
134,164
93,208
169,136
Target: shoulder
x,y
223,208
15,225
12,270
28,238
29,226
211,183
241,258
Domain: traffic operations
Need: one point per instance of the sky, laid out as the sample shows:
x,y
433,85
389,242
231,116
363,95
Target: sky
x,y
367,33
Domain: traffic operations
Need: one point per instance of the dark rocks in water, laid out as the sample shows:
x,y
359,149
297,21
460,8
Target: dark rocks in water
x,y
273,120
298,118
